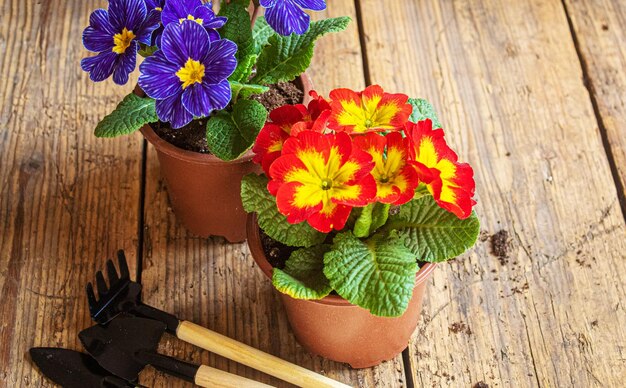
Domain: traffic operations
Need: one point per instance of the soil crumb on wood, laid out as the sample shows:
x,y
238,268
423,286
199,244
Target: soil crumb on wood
x,y
460,327
191,137
481,384
280,94
500,246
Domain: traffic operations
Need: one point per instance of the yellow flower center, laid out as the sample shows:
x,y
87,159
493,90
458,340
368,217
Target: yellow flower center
x,y
327,184
191,73
190,17
122,41
158,9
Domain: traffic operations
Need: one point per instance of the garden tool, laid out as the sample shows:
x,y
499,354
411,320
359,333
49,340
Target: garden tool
x,y
72,369
127,344
123,295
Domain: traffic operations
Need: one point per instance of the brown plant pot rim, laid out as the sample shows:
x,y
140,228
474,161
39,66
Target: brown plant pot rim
x,y
186,155
254,241
197,157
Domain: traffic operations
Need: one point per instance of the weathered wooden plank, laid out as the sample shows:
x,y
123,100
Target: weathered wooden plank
x,y
599,27
507,82
217,285
67,200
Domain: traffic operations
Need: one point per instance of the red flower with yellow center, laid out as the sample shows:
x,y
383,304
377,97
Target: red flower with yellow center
x,y
368,111
319,178
285,121
451,183
396,179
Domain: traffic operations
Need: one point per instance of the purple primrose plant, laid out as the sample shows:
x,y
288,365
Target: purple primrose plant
x,y
201,64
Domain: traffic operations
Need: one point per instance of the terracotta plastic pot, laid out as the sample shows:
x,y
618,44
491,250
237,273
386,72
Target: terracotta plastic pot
x,y
204,191
338,330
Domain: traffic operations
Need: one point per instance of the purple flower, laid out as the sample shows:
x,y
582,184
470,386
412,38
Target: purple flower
x,y
287,16
115,34
176,11
188,75
155,7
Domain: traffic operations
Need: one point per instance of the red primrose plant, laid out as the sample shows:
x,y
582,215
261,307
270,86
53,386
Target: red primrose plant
x,y
364,187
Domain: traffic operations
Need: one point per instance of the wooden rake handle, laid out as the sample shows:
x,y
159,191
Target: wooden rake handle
x,y
215,378
254,358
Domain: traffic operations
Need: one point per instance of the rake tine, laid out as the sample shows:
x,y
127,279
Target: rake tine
x,y
101,284
111,273
91,296
121,258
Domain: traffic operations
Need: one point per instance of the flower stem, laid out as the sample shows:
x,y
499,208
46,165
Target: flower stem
x,y
255,12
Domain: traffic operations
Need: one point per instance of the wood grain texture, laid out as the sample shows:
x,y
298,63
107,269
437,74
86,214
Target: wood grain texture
x,y
218,285
67,199
507,82
599,26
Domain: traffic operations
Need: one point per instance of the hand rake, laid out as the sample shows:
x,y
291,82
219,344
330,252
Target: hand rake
x,y
123,295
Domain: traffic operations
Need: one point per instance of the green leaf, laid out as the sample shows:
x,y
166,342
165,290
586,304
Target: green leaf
x,y
230,134
256,198
303,276
261,33
371,218
246,90
244,69
131,114
432,233
238,30
286,57
423,110
377,274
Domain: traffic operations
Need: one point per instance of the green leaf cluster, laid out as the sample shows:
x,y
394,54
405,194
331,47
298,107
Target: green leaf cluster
x,y
284,58
374,265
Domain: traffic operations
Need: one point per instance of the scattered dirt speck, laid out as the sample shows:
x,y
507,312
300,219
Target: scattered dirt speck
x,y
460,327
605,27
481,384
500,246
594,323
520,290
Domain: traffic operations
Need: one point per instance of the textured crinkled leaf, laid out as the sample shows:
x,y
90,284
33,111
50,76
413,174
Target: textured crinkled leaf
x,y
286,57
377,274
372,217
244,69
246,90
432,233
230,134
303,276
256,198
261,33
131,114
238,30
423,110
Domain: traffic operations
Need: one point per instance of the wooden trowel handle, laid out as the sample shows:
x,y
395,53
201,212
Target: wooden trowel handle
x,y
215,378
254,358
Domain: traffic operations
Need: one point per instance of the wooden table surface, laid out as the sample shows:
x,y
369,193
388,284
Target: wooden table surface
x,y
532,93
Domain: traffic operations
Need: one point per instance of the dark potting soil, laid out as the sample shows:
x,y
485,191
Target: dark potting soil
x,y
280,94
276,252
192,137
481,384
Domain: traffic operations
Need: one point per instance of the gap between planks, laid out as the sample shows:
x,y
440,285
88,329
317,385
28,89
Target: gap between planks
x,y
588,82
